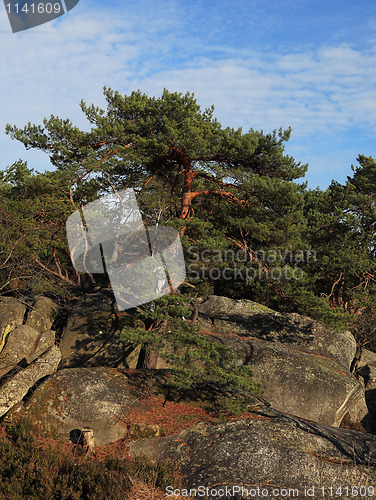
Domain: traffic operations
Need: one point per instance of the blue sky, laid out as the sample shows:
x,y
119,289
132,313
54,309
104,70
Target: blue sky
x,y
307,64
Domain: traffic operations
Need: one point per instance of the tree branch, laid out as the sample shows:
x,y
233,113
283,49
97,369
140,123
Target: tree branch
x,y
57,274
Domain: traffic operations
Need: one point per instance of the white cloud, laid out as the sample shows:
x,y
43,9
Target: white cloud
x,y
48,70
323,91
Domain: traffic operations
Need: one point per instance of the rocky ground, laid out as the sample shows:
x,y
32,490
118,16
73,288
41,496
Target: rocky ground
x,y
311,428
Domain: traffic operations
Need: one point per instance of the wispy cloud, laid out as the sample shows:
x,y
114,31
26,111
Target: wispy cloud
x,y
321,92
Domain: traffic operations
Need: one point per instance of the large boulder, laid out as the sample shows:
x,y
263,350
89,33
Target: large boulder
x,y
270,452
114,403
90,337
14,389
302,366
42,314
12,313
248,319
306,385
24,343
75,398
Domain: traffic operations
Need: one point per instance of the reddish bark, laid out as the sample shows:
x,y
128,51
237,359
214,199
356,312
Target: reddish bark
x,y
188,195
59,273
187,211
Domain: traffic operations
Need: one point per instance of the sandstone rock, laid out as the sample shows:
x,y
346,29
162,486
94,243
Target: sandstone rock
x,y
367,357
12,313
75,398
42,315
45,340
215,305
248,319
267,451
307,385
90,337
25,343
302,366
14,389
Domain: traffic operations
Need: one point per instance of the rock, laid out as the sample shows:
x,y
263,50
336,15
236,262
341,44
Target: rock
x,y
42,315
12,313
248,319
306,385
269,451
215,305
90,337
302,367
14,389
44,342
25,343
367,357
75,398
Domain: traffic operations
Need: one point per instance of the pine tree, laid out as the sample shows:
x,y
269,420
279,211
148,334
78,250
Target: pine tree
x,y
223,188
199,368
340,227
33,245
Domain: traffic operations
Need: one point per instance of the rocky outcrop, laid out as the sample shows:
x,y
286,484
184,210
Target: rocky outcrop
x,y
24,343
290,439
90,337
250,320
82,397
15,388
12,313
42,315
27,347
307,385
26,332
270,451
302,366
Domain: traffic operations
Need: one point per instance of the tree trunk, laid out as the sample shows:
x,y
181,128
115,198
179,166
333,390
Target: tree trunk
x,y
88,439
147,359
186,199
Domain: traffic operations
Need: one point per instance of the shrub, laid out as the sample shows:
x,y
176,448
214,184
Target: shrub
x,y
29,470
200,368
